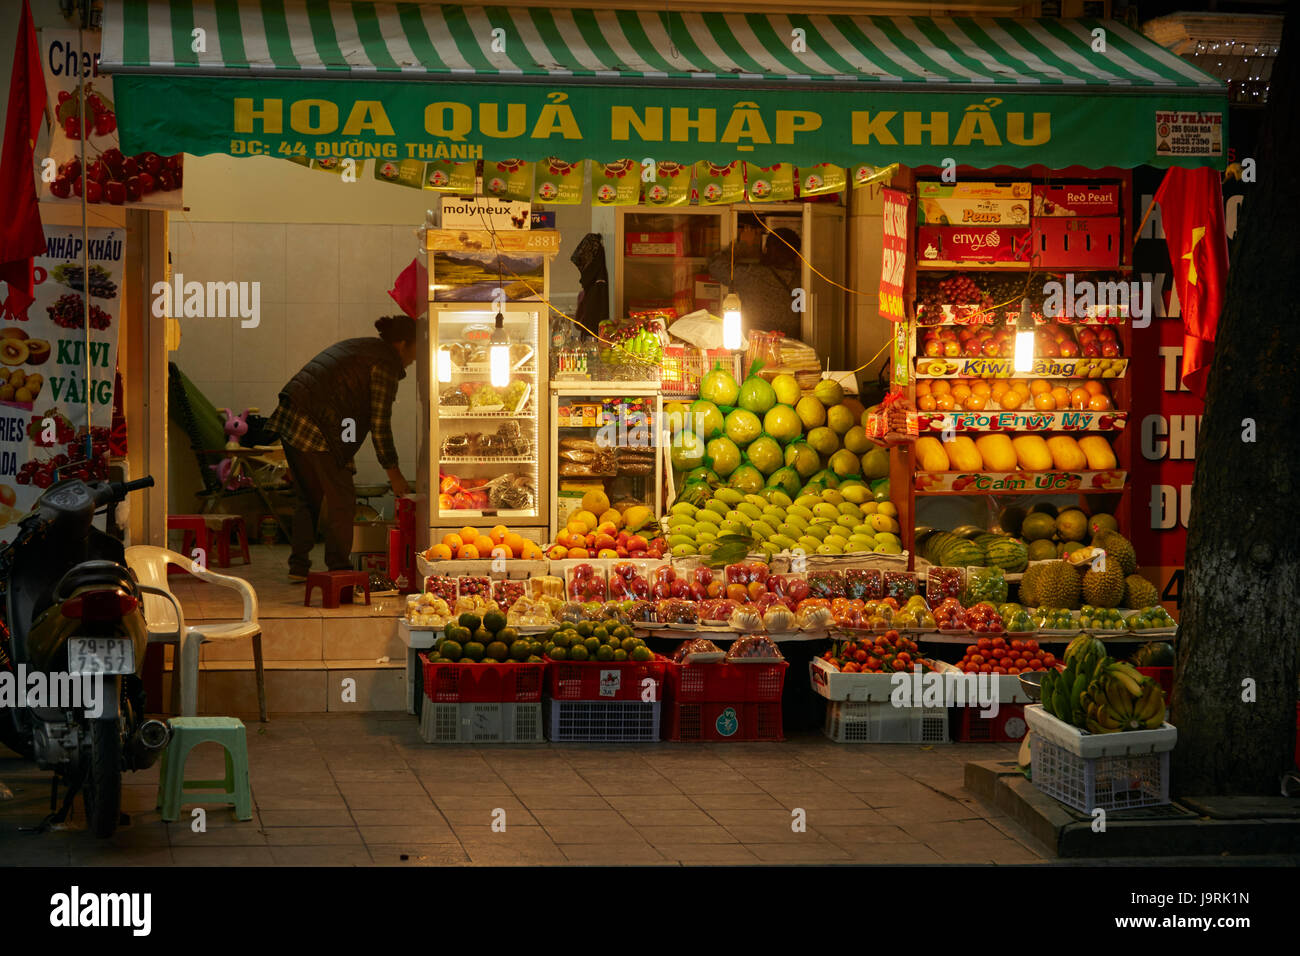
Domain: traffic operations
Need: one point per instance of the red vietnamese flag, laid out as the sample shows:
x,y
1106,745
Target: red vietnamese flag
x,y
1191,209
21,236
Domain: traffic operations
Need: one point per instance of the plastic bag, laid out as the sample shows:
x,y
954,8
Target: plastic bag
x,y
643,611
826,584
754,649
778,618
988,585
863,583
439,585
943,583
546,585
699,650
716,610
812,618
949,615
899,585
506,593
676,611
745,619
527,612
481,586
585,582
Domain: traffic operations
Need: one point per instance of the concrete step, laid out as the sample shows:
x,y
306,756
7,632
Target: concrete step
x,y
312,665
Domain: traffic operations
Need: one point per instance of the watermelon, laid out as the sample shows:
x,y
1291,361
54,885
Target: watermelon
x,y
1004,552
1154,655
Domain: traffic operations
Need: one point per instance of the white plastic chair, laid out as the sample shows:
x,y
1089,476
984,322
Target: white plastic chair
x,y
166,621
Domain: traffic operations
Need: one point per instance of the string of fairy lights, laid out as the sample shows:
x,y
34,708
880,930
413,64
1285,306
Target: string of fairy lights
x,y
1256,62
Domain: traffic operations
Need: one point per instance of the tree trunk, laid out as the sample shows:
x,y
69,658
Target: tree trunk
x,y
1241,614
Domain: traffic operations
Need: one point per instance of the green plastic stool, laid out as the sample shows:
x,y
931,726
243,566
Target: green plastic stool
x,y
187,733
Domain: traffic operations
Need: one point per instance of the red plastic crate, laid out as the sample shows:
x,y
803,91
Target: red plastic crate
x,y
720,722
1072,241
720,681
1007,727
509,683
601,680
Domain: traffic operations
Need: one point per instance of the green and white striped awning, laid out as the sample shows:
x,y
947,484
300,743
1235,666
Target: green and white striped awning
x,y
1095,80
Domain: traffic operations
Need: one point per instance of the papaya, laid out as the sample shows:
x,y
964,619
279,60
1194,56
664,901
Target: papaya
x,y
930,453
1032,453
1098,452
997,452
962,454
1066,454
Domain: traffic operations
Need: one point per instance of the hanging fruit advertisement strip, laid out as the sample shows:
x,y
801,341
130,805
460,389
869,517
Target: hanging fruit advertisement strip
x,y
893,266
43,370
145,180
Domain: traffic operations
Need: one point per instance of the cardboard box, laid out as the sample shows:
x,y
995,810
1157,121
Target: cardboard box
x,y
955,244
653,244
1074,242
973,212
1082,199
1000,191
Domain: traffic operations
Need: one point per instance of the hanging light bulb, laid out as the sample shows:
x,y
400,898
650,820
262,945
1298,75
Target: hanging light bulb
x,y
1024,359
499,354
444,365
732,331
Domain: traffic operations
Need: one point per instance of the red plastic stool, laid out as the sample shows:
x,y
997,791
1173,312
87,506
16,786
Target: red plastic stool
x,y
223,526
195,528
332,584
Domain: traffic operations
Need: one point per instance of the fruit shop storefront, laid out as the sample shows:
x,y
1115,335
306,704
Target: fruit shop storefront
x,y
997,155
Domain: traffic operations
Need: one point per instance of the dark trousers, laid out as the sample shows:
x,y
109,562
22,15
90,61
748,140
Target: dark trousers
x,y
325,489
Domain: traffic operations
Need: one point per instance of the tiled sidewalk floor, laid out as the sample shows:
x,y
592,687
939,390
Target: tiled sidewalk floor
x,y
363,789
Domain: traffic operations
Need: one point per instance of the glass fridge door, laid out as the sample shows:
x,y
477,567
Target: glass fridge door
x,y
605,441
487,427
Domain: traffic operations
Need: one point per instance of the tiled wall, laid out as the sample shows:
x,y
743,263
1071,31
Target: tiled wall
x,y
320,283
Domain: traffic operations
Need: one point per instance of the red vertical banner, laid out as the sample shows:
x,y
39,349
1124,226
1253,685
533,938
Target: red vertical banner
x,y
893,265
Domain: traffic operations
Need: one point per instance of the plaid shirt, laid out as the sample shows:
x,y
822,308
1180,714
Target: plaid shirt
x,y
298,431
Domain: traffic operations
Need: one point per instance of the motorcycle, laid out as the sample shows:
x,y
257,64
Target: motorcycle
x,y
75,618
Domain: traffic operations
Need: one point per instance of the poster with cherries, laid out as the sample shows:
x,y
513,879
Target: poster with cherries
x,y
145,180
43,371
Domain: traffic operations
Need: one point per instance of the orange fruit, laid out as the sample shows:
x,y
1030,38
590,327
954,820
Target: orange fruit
x,y
1061,396
503,551
515,542
1079,398
1021,386
979,387
452,541
498,534
1011,399
939,387
945,402
1039,385
1044,402
923,387
440,552
998,390
466,552
484,544
468,534
1094,386
975,402
926,402
1099,403
960,392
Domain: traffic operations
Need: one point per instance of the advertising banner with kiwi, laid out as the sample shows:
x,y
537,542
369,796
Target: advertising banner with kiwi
x,y
145,179
43,370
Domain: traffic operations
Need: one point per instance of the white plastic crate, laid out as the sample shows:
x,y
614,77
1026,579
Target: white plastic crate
x,y
605,721
1105,783
1123,744
880,722
481,723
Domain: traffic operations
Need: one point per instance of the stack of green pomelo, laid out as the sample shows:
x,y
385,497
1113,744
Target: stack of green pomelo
x,y
761,461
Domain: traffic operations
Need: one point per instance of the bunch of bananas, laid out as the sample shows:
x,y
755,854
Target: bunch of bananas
x,y
1100,694
1122,699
